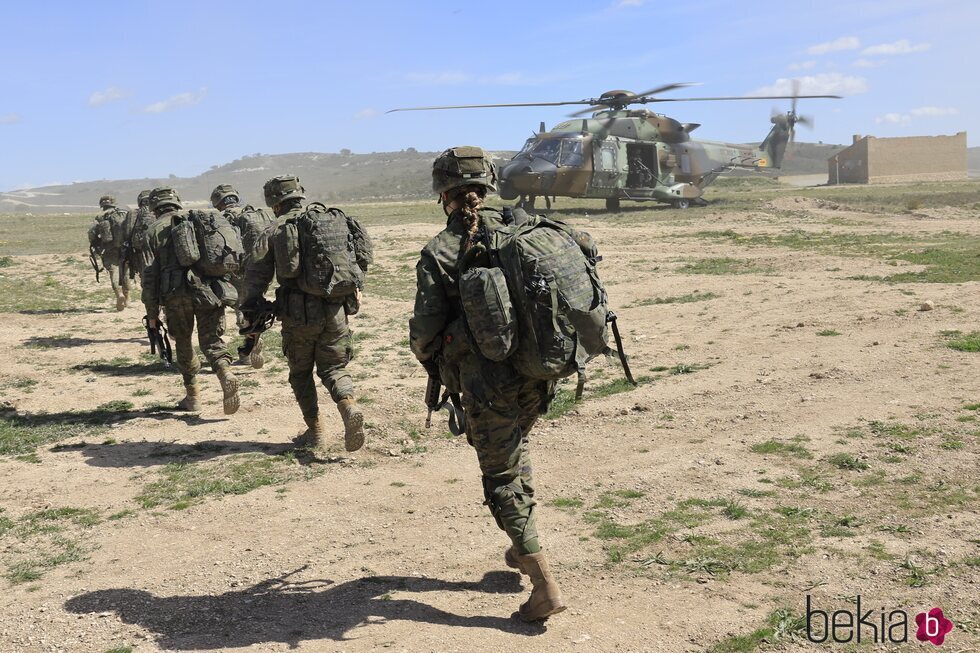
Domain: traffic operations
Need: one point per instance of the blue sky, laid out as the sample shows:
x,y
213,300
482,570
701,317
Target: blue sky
x,y
107,90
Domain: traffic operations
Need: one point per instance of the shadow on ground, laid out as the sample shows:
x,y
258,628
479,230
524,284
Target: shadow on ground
x,y
60,311
129,368
151,454
55,342
280,610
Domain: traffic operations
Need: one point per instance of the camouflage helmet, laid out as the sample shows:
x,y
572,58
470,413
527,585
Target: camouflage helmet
x,y
282,188
164,196
222,191
143,199
107,201
462,166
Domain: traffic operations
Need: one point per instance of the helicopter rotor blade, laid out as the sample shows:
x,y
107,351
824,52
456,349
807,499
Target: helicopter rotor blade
x,y
666,87
492,106
796,96
740,97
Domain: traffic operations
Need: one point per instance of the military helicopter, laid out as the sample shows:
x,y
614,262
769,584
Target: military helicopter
x,y
632,154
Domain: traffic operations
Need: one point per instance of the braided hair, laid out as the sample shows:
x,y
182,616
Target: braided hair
x,y
472,201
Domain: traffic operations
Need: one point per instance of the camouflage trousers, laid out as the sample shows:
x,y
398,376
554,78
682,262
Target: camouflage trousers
x,y
116,271
181,315
322,342
501,408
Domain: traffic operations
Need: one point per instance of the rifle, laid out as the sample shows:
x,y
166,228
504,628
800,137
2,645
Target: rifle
x,y
95,264
450,401
159,341
261,315
623,359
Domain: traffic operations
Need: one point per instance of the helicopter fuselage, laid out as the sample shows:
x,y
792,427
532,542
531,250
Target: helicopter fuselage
x,y
622,154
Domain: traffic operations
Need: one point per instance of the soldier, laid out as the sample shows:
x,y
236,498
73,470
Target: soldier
x,y
226,199
186,296
138,254
108,236
315,329
500,405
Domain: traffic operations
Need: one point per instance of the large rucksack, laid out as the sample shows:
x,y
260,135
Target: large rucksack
x,y
108,232
256,227
208,242
317,249
539,302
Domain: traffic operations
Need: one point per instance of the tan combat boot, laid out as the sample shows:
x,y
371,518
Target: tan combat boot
x,y
512,558
229,385
313,436
255,357
545,599
191,401
121,299
353,423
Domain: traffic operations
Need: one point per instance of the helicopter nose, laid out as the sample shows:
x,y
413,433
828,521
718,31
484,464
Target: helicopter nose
x,y
535,176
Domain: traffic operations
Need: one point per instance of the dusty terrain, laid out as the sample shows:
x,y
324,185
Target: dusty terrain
x,y
801,428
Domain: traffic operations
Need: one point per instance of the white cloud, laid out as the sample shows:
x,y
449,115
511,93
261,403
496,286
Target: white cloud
x,y
438,78
187,99
866,63
893,119
110,94
934,112
803,65
821,84
898,47
843,43
9,118
364,114
630,3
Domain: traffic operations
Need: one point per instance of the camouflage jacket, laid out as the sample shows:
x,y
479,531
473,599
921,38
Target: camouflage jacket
x,y
164,276
437,302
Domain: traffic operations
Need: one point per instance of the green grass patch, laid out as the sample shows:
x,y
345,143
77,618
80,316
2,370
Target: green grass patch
x,y
847,461
695,296
723,265
958,341
180,485
22,434
782,448
781,625
828,332
566,503
44,539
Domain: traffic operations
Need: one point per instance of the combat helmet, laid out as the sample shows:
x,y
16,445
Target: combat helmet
x,y
463,166
164,196
282,188
221,192
107,201
143,199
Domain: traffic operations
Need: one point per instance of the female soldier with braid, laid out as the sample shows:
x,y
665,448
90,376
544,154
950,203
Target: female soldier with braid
x,y
500,405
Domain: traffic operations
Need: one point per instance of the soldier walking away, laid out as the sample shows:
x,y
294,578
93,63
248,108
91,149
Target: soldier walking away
x,y
178,282
501,405
138,220
246,220
107,238
319,256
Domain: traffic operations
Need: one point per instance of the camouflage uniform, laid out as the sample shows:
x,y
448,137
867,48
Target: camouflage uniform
x,y
500,405
138,221
114,258
315,332
184,297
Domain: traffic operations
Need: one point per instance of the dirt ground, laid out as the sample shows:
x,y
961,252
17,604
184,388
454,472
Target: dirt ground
x,y
798,431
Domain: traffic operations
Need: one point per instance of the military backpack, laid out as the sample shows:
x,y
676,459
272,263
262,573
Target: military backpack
x,y
108,232
538,300
317,250
208,242
256,227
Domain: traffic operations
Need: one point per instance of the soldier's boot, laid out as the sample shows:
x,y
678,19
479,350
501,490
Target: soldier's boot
x,y
512,558
314,435
121,299
229,385
545,599
353,423
255,357
191,401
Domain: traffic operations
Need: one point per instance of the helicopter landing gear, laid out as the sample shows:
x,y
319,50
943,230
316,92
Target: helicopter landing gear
x,y
681,203
527,203
612,203
547,202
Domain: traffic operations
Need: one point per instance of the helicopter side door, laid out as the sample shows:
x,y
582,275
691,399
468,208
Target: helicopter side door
x,y
605,156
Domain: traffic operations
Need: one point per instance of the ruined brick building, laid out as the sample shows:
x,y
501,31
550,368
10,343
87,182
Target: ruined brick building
x,y
871,160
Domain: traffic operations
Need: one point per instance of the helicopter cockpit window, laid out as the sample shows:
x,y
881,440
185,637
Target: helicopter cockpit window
x,y
571,152
548,149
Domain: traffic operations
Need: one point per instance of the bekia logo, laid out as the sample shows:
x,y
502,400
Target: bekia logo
x,y
933,626
885,627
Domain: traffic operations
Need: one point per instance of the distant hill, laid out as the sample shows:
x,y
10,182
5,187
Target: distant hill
x,y
328,177
973,161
